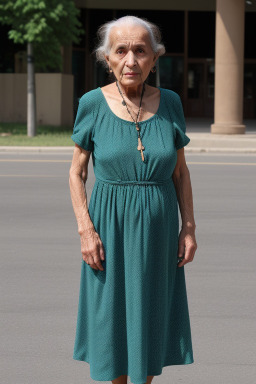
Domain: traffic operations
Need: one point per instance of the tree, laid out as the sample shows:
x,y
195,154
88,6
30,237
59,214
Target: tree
x,y
44,26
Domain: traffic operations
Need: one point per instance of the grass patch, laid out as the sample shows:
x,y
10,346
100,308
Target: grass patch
x,y
46,135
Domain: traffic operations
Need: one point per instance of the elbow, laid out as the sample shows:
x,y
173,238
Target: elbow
x,y
180,172
74,175
71,173
71,177
176,175
185,170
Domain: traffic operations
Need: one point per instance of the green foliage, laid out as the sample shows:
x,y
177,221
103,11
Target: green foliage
x,y
48,24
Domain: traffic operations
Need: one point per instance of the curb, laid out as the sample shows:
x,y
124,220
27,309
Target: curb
x,y
220,150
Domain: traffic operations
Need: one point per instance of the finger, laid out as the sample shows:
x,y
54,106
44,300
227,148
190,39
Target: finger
x,y
97,261
190,254
182,263
102,253
181,250
187,258
85,258
92,263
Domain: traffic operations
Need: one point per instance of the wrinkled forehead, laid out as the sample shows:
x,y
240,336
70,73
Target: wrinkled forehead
x,y
129,34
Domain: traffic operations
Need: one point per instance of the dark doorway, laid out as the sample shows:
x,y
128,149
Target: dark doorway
x,y
200,76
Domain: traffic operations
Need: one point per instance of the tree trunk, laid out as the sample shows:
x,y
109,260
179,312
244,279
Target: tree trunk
x,y
31,96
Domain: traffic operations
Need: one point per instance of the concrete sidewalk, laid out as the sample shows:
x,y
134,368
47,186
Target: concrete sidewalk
x,y
208,142
199,132
202,140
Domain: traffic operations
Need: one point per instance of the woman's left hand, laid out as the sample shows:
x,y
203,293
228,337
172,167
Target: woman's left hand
x,y
187,246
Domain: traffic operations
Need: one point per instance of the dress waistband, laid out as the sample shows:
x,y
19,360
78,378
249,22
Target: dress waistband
x,y
135,182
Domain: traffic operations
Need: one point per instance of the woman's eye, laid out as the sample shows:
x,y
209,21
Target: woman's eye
x,y
120,51
140,50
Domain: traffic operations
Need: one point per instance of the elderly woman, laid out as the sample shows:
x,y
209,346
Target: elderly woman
x,y
133,317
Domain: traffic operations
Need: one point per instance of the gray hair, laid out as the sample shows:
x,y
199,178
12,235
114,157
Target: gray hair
x,y
103,33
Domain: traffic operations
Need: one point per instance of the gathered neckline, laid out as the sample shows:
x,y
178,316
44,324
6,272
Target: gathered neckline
x,y
132,122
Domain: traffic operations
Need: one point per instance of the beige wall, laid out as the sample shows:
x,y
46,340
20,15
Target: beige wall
x,y
54,98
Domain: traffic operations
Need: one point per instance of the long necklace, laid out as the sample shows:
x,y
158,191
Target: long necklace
x,y
140,146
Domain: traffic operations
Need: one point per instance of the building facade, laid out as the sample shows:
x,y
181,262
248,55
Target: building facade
x,y
207,42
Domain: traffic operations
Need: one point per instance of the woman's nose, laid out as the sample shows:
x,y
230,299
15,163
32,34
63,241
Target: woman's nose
x,y
130,59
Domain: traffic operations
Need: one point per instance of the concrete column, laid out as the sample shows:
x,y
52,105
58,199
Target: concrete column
x,y
229,67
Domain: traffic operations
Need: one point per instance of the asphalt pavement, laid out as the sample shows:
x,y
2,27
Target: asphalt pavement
x,y
41,260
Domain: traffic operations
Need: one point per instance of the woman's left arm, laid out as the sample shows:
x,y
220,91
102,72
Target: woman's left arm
x,y
182,182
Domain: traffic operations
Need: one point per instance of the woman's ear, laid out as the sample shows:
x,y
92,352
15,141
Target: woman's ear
x,y
108,63
155,58
107,59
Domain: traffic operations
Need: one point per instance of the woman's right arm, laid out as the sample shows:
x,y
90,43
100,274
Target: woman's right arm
x,y
91,244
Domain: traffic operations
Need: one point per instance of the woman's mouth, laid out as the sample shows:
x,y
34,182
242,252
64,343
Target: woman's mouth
x,y
131,74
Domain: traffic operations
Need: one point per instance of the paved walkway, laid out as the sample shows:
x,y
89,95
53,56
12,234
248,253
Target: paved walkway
x,y
202,140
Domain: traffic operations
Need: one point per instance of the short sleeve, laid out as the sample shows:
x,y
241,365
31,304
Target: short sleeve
x,y
83,127
181,139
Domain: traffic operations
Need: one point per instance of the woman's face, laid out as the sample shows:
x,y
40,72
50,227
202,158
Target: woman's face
x,y
131,56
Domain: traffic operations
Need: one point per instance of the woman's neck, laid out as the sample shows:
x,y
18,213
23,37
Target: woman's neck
x,y
131,92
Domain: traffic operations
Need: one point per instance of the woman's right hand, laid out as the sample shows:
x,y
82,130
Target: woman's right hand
x,y
92,249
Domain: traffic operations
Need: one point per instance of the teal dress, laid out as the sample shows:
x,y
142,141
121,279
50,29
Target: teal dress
x,y
133,317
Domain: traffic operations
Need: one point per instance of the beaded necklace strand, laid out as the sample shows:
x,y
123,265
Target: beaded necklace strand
x,y
140,146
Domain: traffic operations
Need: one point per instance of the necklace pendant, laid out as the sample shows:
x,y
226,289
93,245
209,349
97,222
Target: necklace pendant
x,y
140,148
137,127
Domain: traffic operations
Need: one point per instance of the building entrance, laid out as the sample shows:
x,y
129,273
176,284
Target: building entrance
x,y
200,88
250,89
